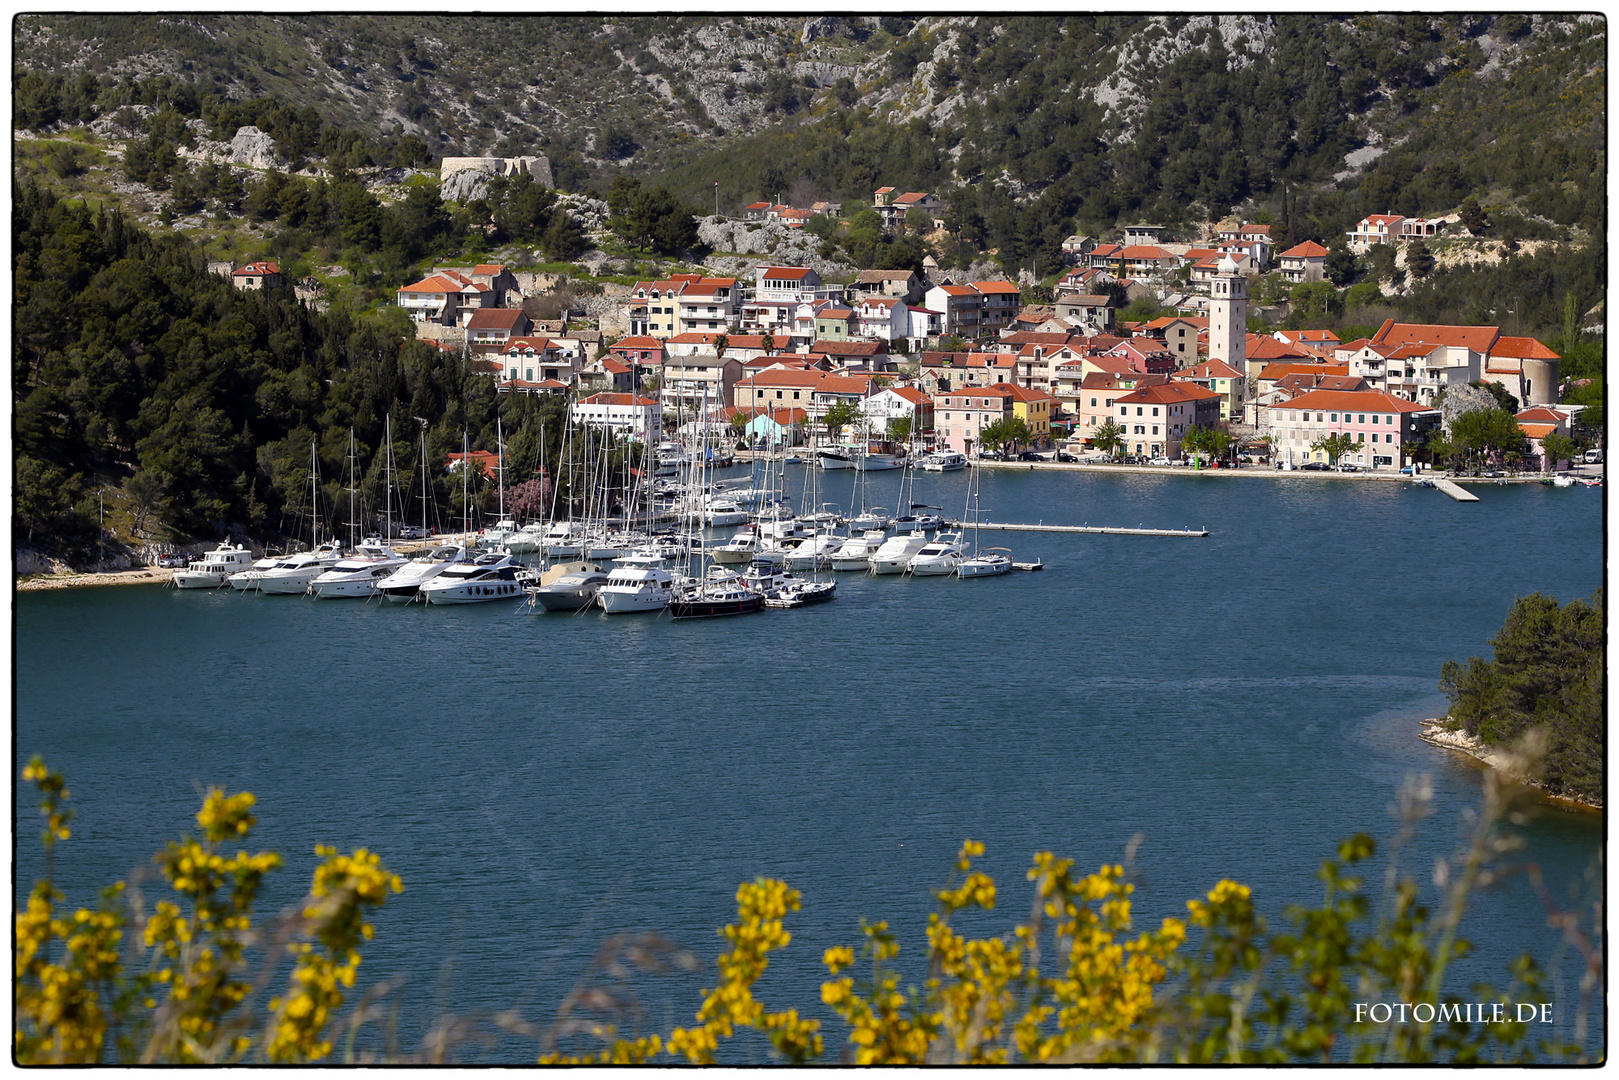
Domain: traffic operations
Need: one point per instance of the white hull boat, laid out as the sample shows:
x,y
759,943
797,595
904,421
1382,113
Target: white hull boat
x,y
491,576
940,557
641,584
215,568
944,462
988,563
356,577
856,552
291,576
569,586
405,583
896,553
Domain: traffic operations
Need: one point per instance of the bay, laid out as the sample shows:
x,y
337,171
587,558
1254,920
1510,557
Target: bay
x,y
1240,702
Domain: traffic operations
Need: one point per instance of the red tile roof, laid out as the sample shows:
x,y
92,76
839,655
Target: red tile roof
x,y
538,344
1479,339
639,342
616,399
1272,372
1369,400
257,268
1210,369
1001,287
1522,348
1307,250
1170,393
496,319
784,273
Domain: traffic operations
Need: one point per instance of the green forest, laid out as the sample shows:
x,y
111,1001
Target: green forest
x,y
1546,672
136,368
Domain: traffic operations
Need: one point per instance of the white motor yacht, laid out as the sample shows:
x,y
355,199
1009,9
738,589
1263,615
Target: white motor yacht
x,y
722,511
939,556
814,551
405,583
875,518
529,540
986,563
638,583
357,575
944,461
215,568
856,552
243,580
292,575
490,576
895,554
743,546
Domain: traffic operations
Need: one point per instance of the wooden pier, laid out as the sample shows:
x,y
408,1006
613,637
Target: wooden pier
x,y
1102,530
1455,491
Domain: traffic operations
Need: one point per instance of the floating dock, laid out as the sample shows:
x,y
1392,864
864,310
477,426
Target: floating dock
x,y
1105,530
1455,491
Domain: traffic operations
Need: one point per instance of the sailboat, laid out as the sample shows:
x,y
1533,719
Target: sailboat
x,y
291,576
989,561
358,574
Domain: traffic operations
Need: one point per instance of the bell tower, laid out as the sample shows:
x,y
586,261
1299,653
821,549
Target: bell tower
x,y
1228,316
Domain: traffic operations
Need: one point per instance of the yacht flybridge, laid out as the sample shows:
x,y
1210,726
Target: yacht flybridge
x,y
216,567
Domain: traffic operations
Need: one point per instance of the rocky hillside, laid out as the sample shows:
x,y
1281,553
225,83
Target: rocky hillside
x,y
1015,100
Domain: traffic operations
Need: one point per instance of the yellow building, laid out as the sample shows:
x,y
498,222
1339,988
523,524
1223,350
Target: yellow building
x,y
1035,407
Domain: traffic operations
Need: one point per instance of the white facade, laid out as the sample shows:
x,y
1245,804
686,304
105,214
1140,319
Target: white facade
x,y
1228,316
627,416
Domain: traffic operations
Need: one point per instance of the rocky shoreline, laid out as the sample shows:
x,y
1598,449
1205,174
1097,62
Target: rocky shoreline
x,y
1434,732
146,575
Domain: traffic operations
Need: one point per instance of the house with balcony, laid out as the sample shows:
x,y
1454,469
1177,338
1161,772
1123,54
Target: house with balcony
x,y
960,416
1538,422
773,427
807,389
1375,229
489,329
884,317
962,307
1155,418
448,299
1035,408
1180,335
1440,357
1386,425
692,382
533,359
627,416
951,370
1002,302
899,403
1304,262
1247,239
1093,310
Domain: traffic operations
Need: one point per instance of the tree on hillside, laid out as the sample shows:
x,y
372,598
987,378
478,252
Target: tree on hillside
x,y
1342,267
1418,259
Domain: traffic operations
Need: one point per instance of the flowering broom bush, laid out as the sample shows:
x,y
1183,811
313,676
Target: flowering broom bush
x,y
1075,982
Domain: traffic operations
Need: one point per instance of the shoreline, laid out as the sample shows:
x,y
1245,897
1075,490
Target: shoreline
x,y
1433,732
149,575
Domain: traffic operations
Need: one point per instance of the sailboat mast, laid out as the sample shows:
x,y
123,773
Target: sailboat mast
x,y
387,479
314,502
500,470
466,508
354,517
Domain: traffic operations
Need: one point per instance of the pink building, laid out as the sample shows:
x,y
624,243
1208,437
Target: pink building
x,y
960,415
1382,422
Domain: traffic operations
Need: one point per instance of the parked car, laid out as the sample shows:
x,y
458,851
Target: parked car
x,y
1160,460
1349,468
990,455
1493,473
1593,457
1407,471
174,560
1063,455
412,532
1031,455
1315,466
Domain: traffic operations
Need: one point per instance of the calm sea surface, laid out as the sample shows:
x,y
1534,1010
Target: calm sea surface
x,y
1241,702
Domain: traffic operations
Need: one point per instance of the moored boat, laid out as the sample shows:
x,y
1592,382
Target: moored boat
x,y
215,568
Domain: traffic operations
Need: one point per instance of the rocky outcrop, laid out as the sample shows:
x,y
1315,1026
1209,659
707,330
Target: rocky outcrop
x,y
764,239
1464,399
250,147
464,186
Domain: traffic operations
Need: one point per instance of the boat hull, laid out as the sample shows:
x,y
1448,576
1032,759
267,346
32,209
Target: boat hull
x,y
472,592
194,579
937,566
616,602
973,568
575,599
712,609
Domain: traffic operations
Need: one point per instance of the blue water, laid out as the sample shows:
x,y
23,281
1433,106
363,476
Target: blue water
x,y
1241,702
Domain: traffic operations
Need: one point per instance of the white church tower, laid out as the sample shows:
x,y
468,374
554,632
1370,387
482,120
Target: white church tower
x,y
1228,316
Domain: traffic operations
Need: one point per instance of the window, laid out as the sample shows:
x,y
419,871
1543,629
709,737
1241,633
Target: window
x,y
1374,418
1155,410
1093,403
1138,410
1155,429
1335,417
1363,418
